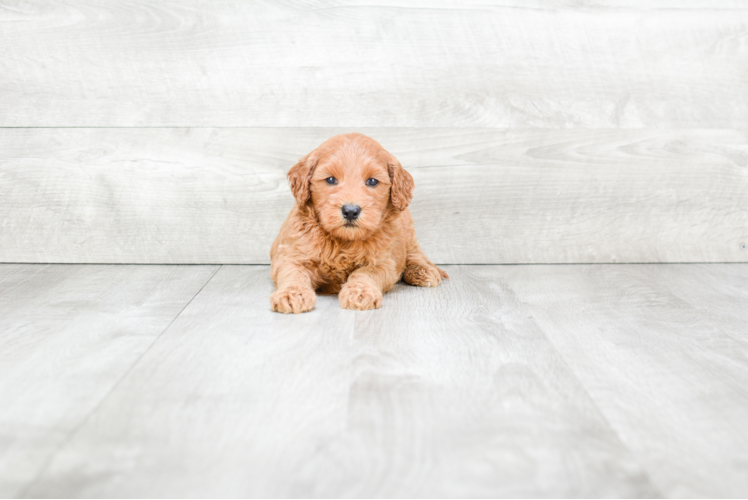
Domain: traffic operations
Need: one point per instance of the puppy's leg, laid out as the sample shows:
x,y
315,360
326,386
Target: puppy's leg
x,y
420,271
365,286
295,293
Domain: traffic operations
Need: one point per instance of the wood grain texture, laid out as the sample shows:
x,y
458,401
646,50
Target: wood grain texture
x,y
68,334
318,63
670,376
718,292
415,399
482,195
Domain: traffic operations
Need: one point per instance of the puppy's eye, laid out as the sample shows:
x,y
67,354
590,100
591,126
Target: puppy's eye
x,y
372,182
331,181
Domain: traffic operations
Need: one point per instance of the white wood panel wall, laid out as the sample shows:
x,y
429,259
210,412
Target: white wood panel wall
x,y
328,63
160,132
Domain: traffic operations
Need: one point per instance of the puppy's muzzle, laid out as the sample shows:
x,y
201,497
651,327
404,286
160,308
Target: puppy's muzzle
x,y
351,212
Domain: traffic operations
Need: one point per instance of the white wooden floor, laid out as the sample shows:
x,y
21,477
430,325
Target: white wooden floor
x,y
543,380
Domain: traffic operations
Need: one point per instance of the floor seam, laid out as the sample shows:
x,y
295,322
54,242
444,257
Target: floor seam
x,y
589,395
87,418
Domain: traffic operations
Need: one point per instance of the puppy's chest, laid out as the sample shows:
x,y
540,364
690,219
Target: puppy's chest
x,y
334,272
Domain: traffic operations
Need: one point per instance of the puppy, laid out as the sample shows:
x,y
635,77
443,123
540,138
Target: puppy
x,y
350,232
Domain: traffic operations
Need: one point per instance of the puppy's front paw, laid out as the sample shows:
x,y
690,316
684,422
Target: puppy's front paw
x,y
419,275
360,296
293,300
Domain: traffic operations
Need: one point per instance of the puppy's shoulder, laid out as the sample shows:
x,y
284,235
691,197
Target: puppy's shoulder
x,y
299,231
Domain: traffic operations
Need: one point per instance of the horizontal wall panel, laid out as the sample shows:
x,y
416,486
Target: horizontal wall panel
x,y
446,63
191,195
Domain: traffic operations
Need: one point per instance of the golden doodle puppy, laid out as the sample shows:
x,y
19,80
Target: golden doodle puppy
x,y
350,231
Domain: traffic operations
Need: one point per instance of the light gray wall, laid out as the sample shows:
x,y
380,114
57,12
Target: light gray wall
x,y
561,131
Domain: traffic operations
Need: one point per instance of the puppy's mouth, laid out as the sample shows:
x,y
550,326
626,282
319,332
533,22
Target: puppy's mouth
x,y
350,231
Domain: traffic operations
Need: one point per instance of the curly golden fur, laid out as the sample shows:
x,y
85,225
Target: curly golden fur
x,y
319,249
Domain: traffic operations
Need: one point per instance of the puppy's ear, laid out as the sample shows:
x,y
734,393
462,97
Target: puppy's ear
x,y
401,192
300,178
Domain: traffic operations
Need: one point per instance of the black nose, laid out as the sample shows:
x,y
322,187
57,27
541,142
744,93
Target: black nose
x,y
351,212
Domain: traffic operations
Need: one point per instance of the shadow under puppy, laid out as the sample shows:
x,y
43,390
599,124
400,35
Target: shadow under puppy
x,y
350,232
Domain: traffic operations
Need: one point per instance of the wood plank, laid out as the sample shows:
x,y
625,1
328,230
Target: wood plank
x,y
671,380
458,393
482,195
67,336
370,64
719,292
414,399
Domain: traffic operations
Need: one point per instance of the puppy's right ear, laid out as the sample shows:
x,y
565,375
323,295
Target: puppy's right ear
x,y
300,178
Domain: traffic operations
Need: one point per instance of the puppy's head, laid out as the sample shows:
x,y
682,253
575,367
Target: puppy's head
x,y
352,184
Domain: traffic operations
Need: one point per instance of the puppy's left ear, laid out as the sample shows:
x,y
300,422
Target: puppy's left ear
x,y
401,192
300,178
